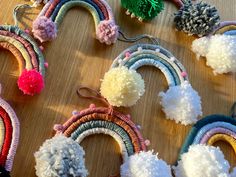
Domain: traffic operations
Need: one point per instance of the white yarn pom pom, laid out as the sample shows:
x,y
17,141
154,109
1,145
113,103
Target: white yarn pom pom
x,y
145,164
122,86
202,161
181,103
60,157
219,50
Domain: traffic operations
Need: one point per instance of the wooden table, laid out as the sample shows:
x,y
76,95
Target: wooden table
x,y
76,58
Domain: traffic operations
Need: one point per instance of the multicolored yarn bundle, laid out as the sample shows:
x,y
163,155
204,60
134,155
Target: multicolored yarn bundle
x,y
143,9
219,48
46,25
29,56
198,156
123,86
62,155
9,137
196,18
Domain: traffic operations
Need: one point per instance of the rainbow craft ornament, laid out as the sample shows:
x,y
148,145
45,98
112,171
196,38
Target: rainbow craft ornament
x,y
9,137
198,148
62,155
94,120
45,26
219,48
28,55
123,86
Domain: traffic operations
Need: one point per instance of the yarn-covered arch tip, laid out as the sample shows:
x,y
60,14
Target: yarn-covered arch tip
x,y
46,25
94,120
29,57
180,103
198,148
226,27
9,137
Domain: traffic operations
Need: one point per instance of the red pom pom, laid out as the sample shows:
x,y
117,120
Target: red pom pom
x,y
31,82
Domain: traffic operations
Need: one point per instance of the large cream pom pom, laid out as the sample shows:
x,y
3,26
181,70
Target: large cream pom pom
x,y
181,103
122,86
219,50
145,164
60,157
202,161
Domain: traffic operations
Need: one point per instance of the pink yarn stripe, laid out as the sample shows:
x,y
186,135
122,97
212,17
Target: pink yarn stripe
x,y
45,8
27,46
214,131
15,134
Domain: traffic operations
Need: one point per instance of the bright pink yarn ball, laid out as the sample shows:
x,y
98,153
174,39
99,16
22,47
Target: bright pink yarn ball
x,y
44,29
107,32
31,82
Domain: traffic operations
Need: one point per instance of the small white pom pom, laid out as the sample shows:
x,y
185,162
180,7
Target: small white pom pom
x,y
202,161
122,86
181,103
219,50
145,164
60,156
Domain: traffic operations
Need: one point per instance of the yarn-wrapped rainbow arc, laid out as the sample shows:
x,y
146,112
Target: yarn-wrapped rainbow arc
x,y
96,120
9,135
152,55
210,130
226,27
51,16
29,56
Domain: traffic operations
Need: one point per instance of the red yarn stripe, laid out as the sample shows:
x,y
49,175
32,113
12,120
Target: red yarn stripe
x,y
7,138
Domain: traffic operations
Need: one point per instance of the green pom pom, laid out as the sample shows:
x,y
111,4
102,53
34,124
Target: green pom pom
x,y
144,9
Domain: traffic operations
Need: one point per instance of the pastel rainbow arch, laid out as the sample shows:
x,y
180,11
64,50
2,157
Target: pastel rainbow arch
x,y
46,25
28,55
97,120
153,55
211,129
9,135
226,27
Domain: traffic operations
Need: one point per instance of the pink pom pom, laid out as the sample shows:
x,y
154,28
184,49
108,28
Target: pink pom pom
x,y
147,142
31,82
107,32
127,54
41,48
91,106
184,74
27,31
58,127
46,64
44,29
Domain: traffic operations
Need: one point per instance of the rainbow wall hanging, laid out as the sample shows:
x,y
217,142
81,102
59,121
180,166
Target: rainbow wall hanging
x,y
9,137
29,57
198,149
123,86
45,27
94,120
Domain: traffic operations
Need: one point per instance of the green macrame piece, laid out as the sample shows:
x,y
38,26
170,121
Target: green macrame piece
x,y
144,9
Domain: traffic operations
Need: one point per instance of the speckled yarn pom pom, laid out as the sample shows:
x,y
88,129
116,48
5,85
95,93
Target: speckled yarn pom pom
x,y
200,18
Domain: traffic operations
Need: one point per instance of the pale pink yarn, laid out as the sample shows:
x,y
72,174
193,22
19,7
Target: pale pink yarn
x,y
44,29
107,32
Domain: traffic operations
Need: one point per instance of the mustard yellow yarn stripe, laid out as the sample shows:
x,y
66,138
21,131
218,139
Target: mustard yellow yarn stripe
x,y
225,28
2,133
21,48
223,137
72,4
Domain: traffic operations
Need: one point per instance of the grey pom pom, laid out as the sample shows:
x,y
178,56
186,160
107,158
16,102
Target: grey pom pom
x,y
200,18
